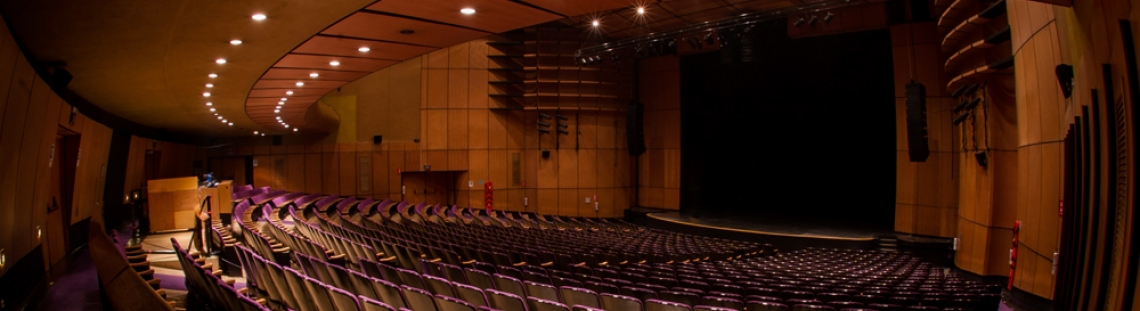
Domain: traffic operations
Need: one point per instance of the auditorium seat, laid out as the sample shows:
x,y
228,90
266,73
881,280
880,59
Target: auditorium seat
x,y
505,301
448,303
471,294
418,299
539,304
661,305
369,304
579,296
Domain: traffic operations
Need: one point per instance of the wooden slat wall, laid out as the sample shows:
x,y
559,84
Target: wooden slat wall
x,y
1043,115
447,93
659,174
926,193
29,111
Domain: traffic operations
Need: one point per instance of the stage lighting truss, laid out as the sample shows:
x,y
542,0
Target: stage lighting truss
x,y
726,30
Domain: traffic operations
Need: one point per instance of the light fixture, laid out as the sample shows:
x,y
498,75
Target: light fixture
x,y
262,134
39,232
206,94
224,121
334,63
277,111
235,42
288,92
215,114
212,75
286,126
254,132
640,10
231,124
212,110
814,19
294,129
209,104
364,49
799,22
220,61
220,117
258,17
281,103
595,23
284,99
209,85
314,75
827,19
467,11
3,258
300,83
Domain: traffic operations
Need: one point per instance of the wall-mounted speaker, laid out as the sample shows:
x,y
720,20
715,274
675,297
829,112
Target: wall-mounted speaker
x,y
276,140
917,145
376,139
60,78
634,129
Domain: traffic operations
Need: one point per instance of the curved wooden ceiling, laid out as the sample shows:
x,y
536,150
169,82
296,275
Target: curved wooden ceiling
x,y
149,62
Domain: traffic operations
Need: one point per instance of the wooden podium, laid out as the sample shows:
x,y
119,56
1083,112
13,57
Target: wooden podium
x,y
221,198
172,203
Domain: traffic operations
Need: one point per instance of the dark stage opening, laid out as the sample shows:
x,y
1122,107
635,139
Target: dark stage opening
x,y
803,134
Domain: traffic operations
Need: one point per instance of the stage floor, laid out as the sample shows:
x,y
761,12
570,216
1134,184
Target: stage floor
x,y
799,228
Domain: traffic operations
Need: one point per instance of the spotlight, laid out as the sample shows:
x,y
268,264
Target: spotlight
x,y
709,38
294,129
212,75
595,23
231,124
614,55
827,19
258,17
799,22
814,19
334,63
640,10
364,49
958,93
467,11
584,60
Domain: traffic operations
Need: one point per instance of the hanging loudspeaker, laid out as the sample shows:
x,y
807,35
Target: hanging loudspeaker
x,y
917,145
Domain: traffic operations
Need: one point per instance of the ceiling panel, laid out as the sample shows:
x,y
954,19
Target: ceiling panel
x,y
326,45
686,7
298,92
296,101
284,85
322,62
489,14
366,25
580,7
302,75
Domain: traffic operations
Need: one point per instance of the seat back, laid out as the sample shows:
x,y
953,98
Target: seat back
x,y
580,296
619,302
368,304
661,305
539,304
448,303
418,299
470,294
544,291
505,301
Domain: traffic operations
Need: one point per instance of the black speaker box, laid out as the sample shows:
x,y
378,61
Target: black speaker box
x,y
634,130
917,144
376,139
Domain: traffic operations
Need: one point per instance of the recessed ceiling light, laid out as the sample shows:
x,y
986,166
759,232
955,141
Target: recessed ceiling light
x,y
294,129
215,114
209,85
220,117
277,111
220,61
262,134
314,75
231,124
334,63
596,23
640,10
284,99
300,83
224,121
209,104
213,75
288,92
206,94
212,109
259,17
286,126
281,103
235,42
467,11
364,49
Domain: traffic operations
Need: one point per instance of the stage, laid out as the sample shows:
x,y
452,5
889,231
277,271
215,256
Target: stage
x,y
787,233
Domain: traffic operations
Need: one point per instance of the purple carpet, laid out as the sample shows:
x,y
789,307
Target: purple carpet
x,y
77,289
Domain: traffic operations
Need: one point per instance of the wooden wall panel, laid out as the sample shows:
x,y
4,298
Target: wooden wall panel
x,y
659,169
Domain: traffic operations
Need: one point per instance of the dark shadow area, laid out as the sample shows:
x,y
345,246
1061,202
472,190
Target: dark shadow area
x,y
805,133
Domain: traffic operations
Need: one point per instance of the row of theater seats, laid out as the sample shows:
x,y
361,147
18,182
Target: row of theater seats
x,y
356,254
125,276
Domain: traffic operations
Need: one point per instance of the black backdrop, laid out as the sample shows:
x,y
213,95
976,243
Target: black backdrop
x,y
804,132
